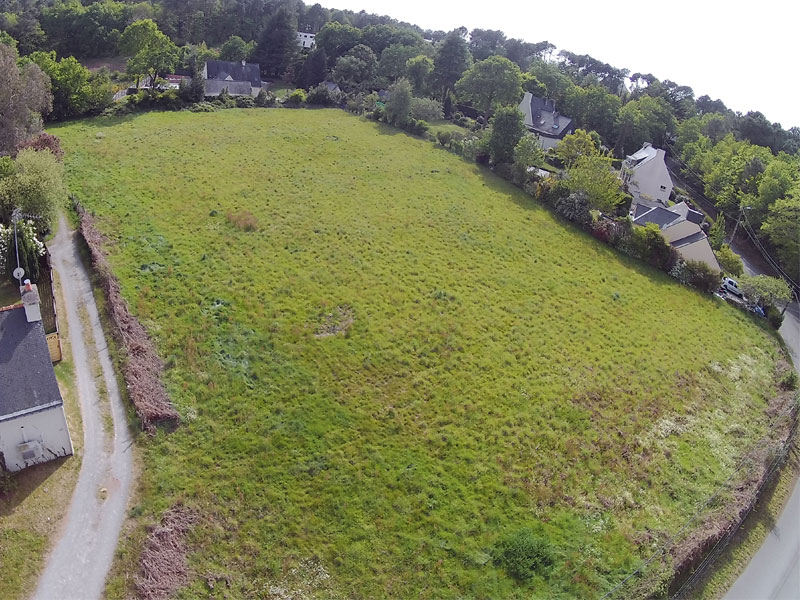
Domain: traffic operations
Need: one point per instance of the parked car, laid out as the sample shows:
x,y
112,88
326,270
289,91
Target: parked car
x,y
732,286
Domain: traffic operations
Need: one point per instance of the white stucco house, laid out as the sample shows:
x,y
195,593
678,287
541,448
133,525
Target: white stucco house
x,y
33,427
305,40
646,175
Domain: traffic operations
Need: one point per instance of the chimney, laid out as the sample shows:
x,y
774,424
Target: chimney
x,y
30,299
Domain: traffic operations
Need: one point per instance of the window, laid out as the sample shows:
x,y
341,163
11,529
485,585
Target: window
x,y
663,187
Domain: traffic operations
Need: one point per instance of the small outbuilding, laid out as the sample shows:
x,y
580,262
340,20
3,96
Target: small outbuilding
x,y
33,427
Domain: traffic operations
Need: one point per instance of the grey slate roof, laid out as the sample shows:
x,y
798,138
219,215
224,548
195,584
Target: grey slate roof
x,y
235,88
541,116
222,69
27,380
660,216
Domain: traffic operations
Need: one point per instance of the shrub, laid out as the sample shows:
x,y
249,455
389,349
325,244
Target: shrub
x,y
789,380
244,220
523,555
575,208
426,109
203,107
444,138
44,141
416,127
295,99
265,99
550,191
716,235
320,95
648,244
245,102
696,274
774,317
729,260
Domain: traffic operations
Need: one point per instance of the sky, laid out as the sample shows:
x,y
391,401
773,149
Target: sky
x,y
744,53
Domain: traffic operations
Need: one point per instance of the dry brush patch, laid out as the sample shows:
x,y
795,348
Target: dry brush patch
x,y
142,367
163,565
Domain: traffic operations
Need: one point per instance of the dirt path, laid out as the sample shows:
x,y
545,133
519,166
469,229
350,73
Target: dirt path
x,y
77,567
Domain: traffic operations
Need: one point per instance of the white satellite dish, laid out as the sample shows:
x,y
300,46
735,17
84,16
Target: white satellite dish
x,y
18,273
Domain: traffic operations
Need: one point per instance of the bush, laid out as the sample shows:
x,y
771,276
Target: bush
x,y
729,261
523,555
774,317
575,208
649,245
417,127
44,141
789,380
265,99
696,274
245,102
426,109
444,138
550,191
204,107
295,99
320,95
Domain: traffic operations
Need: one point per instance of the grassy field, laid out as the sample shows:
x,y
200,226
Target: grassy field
x,y
388,360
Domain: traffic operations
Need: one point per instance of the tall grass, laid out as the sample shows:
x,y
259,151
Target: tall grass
x,y
489,369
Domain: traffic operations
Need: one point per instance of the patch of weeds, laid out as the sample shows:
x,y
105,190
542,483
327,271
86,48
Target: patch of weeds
x,y
524,554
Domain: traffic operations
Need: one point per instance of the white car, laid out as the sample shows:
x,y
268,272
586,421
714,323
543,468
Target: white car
x,y
732,286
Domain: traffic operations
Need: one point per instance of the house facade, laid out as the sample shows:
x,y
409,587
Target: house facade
x,y
239,78
33,426
646,175
305,40
542,118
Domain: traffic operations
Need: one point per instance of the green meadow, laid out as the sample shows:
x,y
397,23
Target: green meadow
x,y
387,360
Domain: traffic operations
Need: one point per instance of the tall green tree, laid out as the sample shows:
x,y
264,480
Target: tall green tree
x,y
277,47
490,83
36,187
528,154
24,97
398,107
594,175
152,53
392,64
418,70
575,145
451,60
782,227
337,39
75,90
314,69
236,49
507,130
356,70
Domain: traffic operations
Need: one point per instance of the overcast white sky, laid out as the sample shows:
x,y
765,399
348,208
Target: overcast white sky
x,y
745,53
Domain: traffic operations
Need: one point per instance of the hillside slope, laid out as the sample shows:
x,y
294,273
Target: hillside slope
x,y
405,362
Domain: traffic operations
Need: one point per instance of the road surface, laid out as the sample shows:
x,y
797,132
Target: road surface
x,y
77,567
774,571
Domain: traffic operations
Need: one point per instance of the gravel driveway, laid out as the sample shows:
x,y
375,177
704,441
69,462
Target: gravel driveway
x,y
77,567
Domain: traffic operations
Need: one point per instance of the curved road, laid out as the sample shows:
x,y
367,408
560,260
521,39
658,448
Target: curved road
x,y
77,567
774,571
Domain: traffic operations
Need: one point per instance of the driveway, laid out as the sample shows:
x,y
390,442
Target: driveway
x,y
77,567
774,571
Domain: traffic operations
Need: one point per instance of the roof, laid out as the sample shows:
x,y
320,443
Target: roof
x,y
541,115
27,380
235,88
687,213
660,216
645,154
691,243
237,71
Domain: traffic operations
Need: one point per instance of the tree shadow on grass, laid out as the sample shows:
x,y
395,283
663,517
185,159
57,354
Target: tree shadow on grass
x,y
26,482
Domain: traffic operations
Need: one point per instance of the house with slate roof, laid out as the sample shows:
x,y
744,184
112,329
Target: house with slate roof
x,y
542,118
647,177
33,427
681,228
239,78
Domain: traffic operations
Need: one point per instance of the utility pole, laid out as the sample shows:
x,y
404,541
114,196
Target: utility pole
x,y
738,220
